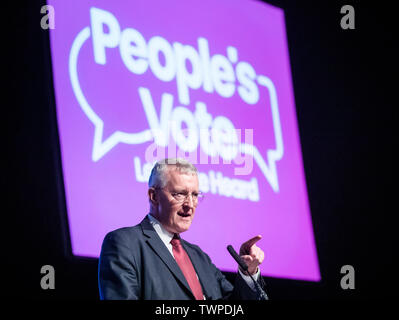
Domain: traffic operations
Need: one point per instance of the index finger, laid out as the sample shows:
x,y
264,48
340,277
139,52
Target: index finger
x,y
252,241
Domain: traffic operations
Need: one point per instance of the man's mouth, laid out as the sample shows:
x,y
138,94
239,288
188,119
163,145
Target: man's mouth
x,y
183,214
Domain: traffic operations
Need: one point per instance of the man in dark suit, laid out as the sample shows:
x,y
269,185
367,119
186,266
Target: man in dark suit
x,y
150,261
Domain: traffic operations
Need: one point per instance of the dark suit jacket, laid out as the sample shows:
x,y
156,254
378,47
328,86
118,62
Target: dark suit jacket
x,y
135,264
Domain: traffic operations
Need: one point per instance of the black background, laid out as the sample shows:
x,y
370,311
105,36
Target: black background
x,y
341,84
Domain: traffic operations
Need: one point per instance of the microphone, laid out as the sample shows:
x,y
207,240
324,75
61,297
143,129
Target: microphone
x,y
243,265
237,258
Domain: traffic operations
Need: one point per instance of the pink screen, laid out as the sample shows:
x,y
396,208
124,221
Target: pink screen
x,y
209,81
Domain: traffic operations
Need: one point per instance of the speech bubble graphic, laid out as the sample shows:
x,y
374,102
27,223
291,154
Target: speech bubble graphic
x,y
102,147
273,155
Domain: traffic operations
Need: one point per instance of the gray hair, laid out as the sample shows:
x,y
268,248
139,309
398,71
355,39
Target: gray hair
x,y
157,177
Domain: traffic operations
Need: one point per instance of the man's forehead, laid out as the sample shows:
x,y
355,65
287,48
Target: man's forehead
x,y
176,175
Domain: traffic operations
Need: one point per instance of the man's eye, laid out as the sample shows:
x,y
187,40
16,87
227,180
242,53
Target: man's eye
x,y
180,195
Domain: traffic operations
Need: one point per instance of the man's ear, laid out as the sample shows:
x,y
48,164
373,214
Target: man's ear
x,y
152,196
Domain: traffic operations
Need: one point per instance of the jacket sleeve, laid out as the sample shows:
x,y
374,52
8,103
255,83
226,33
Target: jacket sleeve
x,y
244,292
240,290
117,271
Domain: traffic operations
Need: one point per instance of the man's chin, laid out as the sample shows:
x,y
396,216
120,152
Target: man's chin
x,y
183,227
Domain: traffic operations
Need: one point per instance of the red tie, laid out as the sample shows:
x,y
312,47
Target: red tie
x,y
186,267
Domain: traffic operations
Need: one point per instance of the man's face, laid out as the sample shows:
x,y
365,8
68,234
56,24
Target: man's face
x,y
175,216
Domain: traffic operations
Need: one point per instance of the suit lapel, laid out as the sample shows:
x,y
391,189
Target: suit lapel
x,y
160,249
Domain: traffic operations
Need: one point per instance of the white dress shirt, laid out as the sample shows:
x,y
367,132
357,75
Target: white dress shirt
x,y
166,237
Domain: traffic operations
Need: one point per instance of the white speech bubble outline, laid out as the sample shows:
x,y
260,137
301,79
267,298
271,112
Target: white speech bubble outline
x,y
101,148
272,155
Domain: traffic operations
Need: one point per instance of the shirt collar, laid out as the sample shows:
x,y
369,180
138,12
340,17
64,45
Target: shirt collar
x,y
164,234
